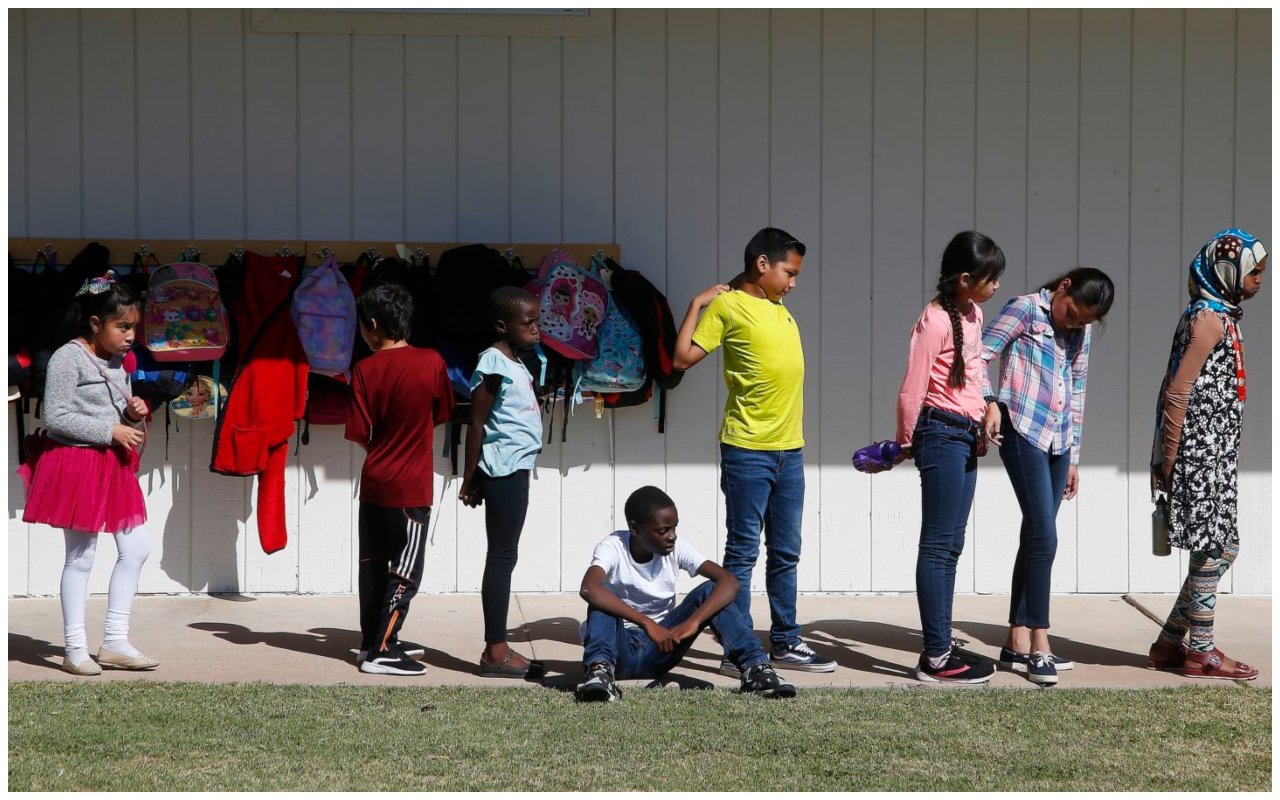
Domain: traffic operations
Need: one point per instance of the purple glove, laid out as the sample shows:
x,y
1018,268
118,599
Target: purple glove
x,y
877,457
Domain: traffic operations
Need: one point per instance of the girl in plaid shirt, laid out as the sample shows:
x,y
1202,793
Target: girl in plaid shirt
x,y
1042,341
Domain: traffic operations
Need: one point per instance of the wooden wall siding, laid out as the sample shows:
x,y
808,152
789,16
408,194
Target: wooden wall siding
x,y
1111,138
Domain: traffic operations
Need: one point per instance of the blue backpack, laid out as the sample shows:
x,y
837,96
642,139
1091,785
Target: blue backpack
x,y
619,362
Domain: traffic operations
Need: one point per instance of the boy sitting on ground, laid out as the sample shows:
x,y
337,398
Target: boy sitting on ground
x,y
634,629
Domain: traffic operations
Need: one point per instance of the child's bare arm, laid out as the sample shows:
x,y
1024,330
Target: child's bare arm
x,y
725,592
597,594
687,352
481,404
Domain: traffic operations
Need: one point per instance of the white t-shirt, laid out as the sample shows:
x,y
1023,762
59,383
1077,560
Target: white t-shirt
x,y
649,588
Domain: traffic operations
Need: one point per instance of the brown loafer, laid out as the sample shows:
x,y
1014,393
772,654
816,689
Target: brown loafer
x,y
1166,656
1209,665
504,669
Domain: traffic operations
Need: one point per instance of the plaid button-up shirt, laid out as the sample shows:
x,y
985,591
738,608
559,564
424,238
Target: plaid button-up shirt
x,y
1042,373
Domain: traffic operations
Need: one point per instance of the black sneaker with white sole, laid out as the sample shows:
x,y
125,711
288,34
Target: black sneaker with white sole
x,y
960,667
415,651
392,662
1040,669
599,687
800,656
1017,662
761,679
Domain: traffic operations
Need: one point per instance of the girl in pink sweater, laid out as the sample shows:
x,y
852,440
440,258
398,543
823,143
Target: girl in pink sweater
x,y
941,416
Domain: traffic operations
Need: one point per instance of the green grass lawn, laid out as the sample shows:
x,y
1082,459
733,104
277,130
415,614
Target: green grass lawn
x,y
158,736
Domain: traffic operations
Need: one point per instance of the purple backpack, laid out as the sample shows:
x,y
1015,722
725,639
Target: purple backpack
x,y
324,312
572,303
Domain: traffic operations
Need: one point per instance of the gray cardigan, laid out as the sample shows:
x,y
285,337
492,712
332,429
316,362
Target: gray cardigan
x,y
80,406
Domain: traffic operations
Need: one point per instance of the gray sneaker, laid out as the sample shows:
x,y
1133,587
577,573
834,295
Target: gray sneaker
x,y
800,656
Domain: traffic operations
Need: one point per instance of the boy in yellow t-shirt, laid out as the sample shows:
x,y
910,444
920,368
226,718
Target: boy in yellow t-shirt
x,y
762,436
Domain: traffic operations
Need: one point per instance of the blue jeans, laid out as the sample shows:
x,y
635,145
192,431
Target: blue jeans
x,y
764,489
633,654
948,474
1039,480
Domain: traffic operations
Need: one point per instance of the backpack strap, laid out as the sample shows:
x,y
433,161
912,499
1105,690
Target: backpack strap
x,y
22,432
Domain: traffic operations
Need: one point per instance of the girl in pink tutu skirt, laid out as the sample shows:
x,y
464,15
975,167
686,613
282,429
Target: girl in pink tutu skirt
x,y
82,476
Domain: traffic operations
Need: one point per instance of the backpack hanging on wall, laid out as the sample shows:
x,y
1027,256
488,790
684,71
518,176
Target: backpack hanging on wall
x,y
185,319
649,309
619,362
324,312
572,304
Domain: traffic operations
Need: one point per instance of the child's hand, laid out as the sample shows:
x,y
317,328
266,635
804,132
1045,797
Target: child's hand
x,y
704,299
137,409
991,426
469,495
127,436
684,630
1073,483
664,638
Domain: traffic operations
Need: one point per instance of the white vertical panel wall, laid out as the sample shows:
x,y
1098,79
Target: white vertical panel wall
x,y
1113,139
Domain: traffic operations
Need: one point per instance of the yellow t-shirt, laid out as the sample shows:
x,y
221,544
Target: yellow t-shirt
x,y
763,369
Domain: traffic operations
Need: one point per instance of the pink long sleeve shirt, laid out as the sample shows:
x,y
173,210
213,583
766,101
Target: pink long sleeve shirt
x,y
929,358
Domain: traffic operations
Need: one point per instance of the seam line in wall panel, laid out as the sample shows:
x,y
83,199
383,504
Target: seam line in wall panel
x,y
457,157
404,138
821,252
666,192
511,209
137,154
26,152
191,132
351,135
871,384
244,128
1235,104
80,108
1128,251
1079,155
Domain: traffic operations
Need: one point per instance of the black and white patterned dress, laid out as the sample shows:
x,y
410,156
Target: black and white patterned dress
x,y
1202,495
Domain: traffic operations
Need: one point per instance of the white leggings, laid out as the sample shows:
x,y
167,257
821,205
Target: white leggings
x,y
132,547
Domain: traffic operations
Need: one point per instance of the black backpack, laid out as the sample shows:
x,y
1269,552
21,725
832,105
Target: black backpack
x,y
649,308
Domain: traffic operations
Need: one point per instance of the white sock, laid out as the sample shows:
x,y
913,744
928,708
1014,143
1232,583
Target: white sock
x,y
73,591
132,547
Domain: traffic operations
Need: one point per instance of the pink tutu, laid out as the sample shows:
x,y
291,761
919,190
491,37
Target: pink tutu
x,y
92,489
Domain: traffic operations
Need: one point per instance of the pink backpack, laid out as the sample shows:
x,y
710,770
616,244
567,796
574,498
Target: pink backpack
x,y
185,319
573,303
324,312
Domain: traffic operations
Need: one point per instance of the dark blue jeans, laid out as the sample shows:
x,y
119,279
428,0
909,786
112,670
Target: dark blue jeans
x,y
633,654
948,474
1039,480
764,489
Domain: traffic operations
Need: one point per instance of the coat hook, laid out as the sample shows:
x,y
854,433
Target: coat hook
x,y
420,256
193,253
286,252
324,252
510,255
143,250
238,251
374,255
48,250
600,254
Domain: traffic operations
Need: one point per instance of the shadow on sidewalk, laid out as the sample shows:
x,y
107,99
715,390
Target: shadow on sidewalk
x,y
994,635
335,643
35,651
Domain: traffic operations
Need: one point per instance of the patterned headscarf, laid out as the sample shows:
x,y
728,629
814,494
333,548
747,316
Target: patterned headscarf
x,y
1216,284
1218,270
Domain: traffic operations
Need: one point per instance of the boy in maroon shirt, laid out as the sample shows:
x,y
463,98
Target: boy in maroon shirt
x,y
399,394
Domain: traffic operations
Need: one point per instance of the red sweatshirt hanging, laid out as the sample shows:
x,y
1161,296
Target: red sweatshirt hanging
x,y
269,393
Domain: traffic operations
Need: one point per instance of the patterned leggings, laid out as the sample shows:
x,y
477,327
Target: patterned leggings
x,y
1193,610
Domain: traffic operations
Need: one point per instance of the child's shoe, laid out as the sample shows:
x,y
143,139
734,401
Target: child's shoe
x,y
122,661
729,668
958,668
1040,669
1210,665
761,679
392,662
87,666
415,651
1014,661
599,687
801,657
1166,655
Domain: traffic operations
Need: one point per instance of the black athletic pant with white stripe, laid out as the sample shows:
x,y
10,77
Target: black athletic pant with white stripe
x,y
391,560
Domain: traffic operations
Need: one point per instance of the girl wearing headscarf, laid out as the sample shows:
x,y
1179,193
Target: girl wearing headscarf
x,y
1197,444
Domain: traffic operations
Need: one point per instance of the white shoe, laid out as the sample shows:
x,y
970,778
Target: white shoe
x,y
86,667
113,659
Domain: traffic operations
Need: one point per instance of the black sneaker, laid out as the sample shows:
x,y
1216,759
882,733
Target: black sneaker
x,y
415,651
801,657
392,662
1017,662
1040,669
599,687
960,667
761,679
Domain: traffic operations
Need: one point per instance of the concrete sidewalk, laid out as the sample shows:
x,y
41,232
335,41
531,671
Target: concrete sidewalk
x,y
875,639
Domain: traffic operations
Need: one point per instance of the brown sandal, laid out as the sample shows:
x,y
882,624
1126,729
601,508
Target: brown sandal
x,y
1166,656
1209,665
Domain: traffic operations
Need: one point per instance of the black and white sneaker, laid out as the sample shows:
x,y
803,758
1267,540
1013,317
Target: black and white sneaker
x,y
1014,661
761,679
599,687
415,651
800,656
960,667
1040,669
392,662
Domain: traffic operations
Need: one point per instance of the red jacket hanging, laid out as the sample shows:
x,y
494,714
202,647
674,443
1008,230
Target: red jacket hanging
x,y
269,392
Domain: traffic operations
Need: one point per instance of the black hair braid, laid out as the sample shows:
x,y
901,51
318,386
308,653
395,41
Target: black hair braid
x,y
948,303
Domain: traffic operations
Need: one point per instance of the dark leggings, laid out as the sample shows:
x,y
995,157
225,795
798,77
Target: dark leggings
x,y
506,500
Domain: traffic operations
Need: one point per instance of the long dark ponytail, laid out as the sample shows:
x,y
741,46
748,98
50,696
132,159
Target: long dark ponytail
x,y
982,258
